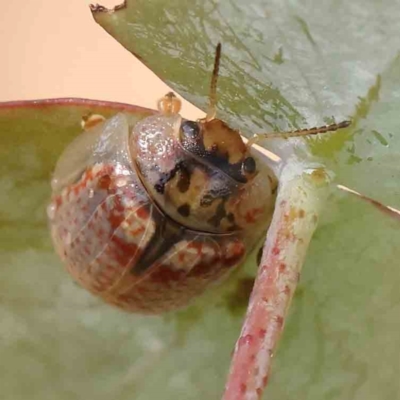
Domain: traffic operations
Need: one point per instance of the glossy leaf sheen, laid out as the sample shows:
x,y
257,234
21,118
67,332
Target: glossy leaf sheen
x,y
285,64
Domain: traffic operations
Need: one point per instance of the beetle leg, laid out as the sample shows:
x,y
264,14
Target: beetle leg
x,y
169,104
90,120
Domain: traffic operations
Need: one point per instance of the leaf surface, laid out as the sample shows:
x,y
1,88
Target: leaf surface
x,y
286,64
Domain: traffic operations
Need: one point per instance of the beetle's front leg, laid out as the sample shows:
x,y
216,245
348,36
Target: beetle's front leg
x,y
169,105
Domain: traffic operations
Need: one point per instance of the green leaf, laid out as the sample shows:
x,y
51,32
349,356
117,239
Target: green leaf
x,y
290,64
286,64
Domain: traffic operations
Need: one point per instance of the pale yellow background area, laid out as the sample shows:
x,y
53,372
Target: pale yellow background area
x,y
53,48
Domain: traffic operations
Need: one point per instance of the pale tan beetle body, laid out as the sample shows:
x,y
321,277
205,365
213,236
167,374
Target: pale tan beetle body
x,y
148,216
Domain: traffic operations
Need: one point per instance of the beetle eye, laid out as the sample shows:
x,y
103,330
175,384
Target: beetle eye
x,y
190,129
249,165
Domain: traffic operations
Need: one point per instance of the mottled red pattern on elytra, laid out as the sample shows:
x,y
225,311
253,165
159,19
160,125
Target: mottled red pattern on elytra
x,y
101,228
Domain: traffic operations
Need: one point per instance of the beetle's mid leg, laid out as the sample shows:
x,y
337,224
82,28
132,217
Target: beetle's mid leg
x,y
169,104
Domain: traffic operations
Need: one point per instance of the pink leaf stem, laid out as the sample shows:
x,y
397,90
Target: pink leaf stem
x,y
293,224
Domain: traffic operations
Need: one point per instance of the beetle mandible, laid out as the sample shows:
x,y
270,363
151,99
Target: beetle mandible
x,y
148,216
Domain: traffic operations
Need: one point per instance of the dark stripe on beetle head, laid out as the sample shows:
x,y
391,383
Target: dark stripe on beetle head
x,y
165,177
192,141
184,179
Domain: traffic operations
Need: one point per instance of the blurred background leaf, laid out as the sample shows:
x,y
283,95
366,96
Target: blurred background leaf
x,y
286,64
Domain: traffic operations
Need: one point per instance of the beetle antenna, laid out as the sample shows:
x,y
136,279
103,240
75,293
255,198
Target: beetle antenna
x,y
299,132
212,107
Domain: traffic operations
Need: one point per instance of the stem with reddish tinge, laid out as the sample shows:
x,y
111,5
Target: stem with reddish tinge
x,y
293,224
